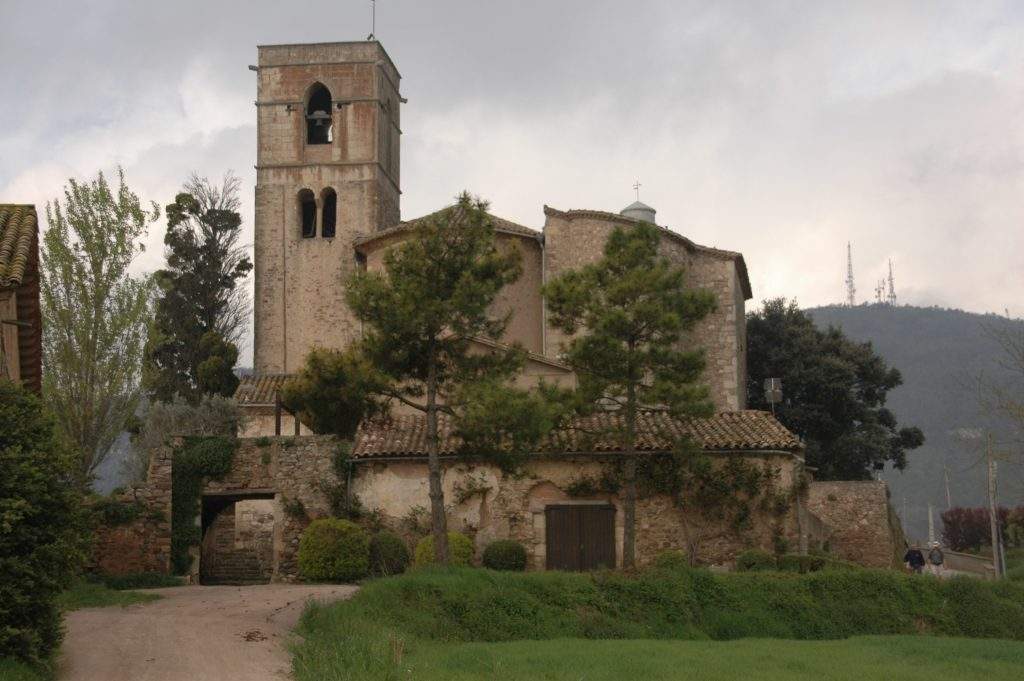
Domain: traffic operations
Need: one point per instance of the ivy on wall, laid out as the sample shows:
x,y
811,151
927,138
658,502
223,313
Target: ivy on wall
x,y
728,492
196,459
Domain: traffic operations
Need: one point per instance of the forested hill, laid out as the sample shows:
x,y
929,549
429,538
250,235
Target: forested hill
x,y
940,353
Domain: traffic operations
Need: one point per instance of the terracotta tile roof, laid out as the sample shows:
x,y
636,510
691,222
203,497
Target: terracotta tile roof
x,y
500,225
259,389
18,229
741,265
405,435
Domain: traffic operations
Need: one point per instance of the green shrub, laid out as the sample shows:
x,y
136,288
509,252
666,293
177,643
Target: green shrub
x,y
505,554
672,560
136,580
460,550
334,550
42,525
754,560
113,512
388,554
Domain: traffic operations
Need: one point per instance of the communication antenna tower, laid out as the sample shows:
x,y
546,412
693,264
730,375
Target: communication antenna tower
x,y
891,297
880,291
851,290
373,20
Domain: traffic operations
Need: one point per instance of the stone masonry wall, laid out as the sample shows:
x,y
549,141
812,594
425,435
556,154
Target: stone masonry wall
x,y
513,506
571,241
143,545
293,469
299,282
863,528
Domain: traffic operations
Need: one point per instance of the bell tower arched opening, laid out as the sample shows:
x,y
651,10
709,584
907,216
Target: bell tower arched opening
x,y
319,128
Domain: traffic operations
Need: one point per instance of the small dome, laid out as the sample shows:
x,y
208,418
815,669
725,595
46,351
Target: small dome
x,y
639,211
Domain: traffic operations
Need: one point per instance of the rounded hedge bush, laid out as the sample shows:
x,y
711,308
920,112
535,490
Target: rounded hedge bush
x,y
754,560
505,554
460,550
334,550
388,554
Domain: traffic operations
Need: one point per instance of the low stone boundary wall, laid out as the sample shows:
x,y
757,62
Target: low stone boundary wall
x,y
862,527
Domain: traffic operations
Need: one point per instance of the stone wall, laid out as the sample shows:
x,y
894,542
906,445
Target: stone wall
x,y
862,526
513,506
143,545
299,282
294,471
576,238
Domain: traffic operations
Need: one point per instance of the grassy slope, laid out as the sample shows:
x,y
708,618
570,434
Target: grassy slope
x,y
15,671
856,659
91,595
473,620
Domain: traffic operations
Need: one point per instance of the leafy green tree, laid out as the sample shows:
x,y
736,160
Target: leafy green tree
x,y
334,392
628,313
41,525
201,308
96,315
422,313
834,392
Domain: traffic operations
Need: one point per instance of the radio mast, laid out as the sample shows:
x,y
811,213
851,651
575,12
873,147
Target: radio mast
x,y
851,289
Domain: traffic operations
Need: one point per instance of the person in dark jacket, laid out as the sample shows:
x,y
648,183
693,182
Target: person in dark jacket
x,y
914,559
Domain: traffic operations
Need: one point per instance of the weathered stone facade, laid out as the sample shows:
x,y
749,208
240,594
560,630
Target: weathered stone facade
x,y
299,296
505,506
300,281
862,526
292,471
144,544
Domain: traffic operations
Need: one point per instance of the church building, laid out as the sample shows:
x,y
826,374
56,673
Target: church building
x,y
328,201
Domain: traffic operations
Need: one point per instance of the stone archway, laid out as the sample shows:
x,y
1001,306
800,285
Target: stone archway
x,y
238,539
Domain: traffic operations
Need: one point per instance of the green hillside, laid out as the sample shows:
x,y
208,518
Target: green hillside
x,y
940,353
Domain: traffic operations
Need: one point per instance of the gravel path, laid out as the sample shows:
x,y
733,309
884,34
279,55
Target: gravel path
x,y
194,633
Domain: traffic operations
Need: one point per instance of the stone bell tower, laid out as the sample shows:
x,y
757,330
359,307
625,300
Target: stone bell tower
x,y
327,171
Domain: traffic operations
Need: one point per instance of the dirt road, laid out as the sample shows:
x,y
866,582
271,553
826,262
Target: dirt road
x,y
194,633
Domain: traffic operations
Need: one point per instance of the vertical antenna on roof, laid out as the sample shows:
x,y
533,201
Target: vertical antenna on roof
x,y
373,20
636,188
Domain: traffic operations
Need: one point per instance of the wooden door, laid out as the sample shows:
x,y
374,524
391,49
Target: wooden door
x,y
580,537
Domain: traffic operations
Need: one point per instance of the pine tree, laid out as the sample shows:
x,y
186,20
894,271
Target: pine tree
x,y
627,313
201,308
422,313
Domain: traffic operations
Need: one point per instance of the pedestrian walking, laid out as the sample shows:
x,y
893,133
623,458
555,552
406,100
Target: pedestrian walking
x,y
936,559
914,559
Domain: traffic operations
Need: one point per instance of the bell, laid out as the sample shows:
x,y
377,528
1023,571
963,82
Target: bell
x,y
319,117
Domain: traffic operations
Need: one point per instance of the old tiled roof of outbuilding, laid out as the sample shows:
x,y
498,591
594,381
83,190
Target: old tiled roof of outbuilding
x,y
406,435
501,225
18,229
259,390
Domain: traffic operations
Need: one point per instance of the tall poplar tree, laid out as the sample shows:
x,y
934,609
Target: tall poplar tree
x,y
627,314
422,312
201,308
96,314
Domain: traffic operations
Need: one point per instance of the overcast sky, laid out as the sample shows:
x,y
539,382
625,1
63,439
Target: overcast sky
x,y
779,129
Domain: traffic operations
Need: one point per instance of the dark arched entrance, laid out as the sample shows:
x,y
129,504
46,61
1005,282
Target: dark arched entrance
x,y
238,538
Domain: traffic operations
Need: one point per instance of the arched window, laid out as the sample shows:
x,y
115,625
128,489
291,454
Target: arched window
x,y
307,213
329,203
318,115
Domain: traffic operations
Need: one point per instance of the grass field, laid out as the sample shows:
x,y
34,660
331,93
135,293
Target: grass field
x,y
83,594
15,671
893,658
665,623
